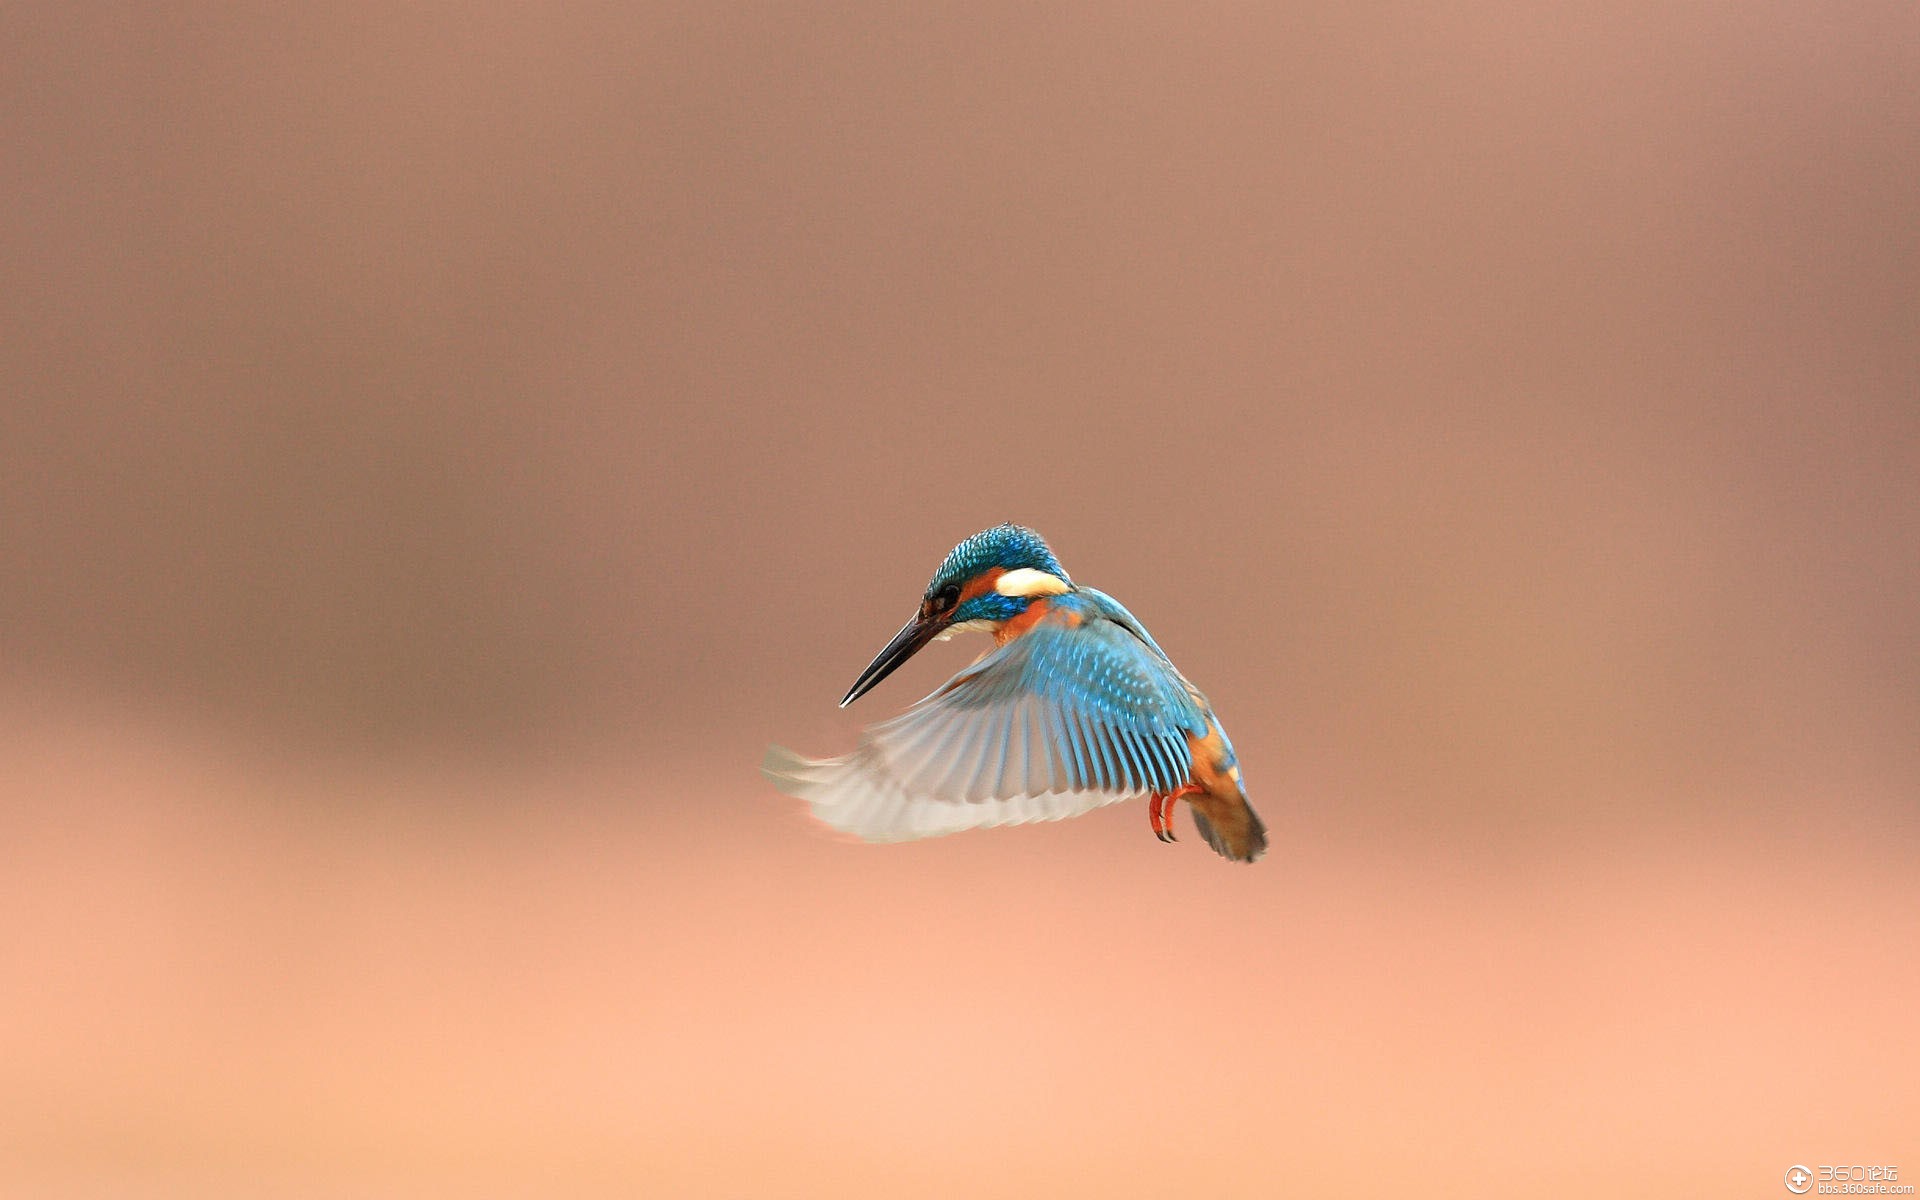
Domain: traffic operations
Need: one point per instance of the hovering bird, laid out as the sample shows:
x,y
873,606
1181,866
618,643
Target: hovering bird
x,y
1076,707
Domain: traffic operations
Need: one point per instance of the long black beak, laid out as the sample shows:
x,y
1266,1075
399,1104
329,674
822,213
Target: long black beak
x,y
913,635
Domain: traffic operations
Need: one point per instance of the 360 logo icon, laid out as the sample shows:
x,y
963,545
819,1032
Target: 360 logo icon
x,y
1799,1179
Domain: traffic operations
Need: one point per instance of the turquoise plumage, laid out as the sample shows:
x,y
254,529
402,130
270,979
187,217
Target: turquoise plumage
x,y
1076,708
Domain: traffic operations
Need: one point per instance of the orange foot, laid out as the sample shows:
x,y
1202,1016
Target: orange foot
x,y
1160,812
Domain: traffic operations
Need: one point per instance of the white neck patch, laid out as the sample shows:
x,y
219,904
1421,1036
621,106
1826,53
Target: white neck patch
x,y
1028,582
982,625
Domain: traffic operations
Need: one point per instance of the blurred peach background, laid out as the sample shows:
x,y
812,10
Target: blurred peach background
x,y
442,446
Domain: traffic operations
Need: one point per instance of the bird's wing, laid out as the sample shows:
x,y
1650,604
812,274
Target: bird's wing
x,y
1057,722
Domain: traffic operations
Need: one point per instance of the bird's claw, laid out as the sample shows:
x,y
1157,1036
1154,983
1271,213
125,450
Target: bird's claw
x,y
1160,816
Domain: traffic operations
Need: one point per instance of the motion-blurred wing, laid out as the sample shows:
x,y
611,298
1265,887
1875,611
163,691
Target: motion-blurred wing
x,y
1052,724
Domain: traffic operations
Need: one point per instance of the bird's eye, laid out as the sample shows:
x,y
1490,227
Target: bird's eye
x,y
946,597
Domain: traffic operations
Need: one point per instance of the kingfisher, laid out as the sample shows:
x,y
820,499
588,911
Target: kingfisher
x,y
1075,707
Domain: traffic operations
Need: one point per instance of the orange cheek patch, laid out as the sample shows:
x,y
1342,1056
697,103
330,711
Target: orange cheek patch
x,y
981,584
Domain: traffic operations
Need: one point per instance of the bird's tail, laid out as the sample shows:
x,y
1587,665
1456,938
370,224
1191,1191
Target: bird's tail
x,y
1219,798
1228,823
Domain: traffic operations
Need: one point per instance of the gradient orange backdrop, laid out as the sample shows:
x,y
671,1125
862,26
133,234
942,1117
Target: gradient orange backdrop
x,y
440,448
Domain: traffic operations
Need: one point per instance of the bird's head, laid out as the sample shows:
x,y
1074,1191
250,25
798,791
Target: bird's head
x,y
989,578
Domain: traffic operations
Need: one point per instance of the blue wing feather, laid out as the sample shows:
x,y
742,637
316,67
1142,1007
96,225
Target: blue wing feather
x,y
1080,711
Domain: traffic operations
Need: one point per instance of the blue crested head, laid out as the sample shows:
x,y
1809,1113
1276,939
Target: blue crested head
x,y
993,576
999,552
1009,547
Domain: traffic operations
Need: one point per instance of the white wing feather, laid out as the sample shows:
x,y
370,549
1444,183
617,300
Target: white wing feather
x,y
989,749
852,795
